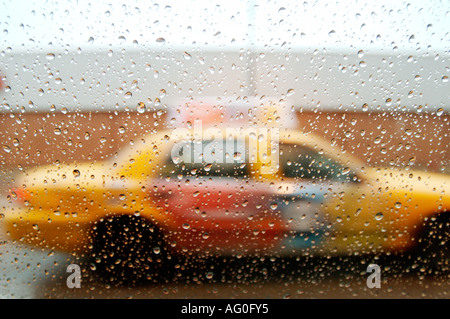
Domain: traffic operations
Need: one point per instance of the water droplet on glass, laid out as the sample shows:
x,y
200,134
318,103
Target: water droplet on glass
x,y
379,216
389,102
345,171
140,107
161,41
176,160
128,95
187,56
76,173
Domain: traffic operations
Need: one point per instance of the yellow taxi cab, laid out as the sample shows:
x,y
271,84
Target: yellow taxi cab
x,y
240,191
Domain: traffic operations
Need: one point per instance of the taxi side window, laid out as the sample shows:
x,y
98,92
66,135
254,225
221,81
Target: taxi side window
x,y
297,161
216,159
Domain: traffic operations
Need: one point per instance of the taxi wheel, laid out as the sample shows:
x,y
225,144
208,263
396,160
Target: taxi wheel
x,y
128,250
433,245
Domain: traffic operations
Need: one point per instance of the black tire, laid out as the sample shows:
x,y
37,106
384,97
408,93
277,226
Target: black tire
x,y
433,244
129,250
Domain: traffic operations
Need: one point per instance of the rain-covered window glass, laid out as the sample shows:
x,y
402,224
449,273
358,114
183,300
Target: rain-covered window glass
x,y
224,149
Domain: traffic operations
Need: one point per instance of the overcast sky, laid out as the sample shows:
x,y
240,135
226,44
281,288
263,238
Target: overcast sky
x,y
348,25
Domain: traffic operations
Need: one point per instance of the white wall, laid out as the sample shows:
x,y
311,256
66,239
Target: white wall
x,y
96,81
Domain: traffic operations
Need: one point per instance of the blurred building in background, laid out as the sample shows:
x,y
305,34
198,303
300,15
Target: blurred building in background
x,y
352,74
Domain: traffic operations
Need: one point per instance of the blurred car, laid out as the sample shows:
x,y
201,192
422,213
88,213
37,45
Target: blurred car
x,y
146,206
